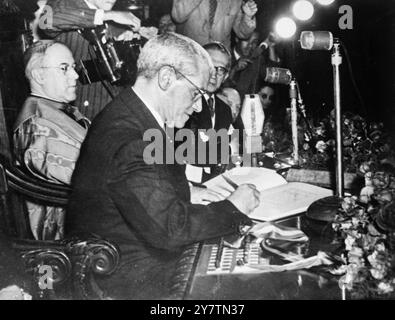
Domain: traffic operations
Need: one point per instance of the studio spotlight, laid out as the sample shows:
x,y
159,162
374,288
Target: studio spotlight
x,y
285,27
325,2
303,10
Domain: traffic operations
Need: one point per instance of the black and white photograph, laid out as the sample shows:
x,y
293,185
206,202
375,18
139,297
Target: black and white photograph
x,y
197,154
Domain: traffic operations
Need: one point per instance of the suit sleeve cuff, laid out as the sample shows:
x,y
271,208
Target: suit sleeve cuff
x,y
99,17
250,21
238,220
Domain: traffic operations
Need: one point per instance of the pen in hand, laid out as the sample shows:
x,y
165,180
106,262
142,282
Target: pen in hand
x,y
233,184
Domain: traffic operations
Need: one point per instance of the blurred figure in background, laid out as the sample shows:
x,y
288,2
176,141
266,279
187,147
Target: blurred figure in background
x,y
232,98
206,21
166,24
266,94
250,60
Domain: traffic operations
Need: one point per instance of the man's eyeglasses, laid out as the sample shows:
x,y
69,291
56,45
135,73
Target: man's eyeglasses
x,y
200,92
65,67
221,71
265,96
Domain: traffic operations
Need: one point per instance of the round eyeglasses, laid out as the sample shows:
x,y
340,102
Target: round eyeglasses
x,y
65,67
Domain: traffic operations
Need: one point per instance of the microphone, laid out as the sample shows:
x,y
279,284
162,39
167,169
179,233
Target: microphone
x,y
278,75
316,40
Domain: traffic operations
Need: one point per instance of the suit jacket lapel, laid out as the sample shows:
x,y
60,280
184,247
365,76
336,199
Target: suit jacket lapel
x,y
223,115
147,121
144,115
204,116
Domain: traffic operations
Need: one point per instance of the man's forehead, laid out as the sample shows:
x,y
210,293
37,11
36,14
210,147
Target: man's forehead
x,y
267,90
254,36
219,57
234,97
101,3
59,54
165,19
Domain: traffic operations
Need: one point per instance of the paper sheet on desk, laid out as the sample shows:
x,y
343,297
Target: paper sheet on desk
x,y
279,199
262,178
287,200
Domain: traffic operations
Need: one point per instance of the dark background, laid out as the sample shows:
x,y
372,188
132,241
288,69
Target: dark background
x,y
370,44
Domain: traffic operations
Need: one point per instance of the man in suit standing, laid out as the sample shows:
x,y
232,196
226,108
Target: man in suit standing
x,y
206,21
215,114
64,19
121,193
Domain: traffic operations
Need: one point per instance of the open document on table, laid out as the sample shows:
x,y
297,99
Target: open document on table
x,y
279,198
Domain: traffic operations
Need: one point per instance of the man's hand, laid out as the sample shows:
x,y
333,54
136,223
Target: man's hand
x,y
148,32
271,39
245,198
242,63
128,35
204,196
249,8
123,17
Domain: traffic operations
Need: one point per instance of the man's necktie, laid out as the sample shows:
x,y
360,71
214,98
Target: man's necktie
x,y
212,9
70,110
210,103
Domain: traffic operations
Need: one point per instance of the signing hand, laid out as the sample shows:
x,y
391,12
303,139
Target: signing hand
x,y
204,196
249,8
245,198
123,17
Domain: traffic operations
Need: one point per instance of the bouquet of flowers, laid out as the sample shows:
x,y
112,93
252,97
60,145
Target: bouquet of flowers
x,y
366,226
362,142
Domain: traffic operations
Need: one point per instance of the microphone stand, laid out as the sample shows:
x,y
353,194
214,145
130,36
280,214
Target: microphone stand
x,y
302,111
294,120
336,62
297,105
325,209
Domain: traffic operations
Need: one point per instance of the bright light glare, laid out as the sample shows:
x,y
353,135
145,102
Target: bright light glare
x,y
285,28
325,2
303,10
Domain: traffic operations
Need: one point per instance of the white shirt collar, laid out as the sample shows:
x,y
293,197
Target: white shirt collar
x,y
157,116
90,5
237,56
37,95
207,96
155,113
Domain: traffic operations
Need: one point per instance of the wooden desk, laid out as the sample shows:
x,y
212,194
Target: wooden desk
x,y
193,282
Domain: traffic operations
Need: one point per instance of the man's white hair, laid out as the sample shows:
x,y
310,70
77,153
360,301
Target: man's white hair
x,y
172,49
34,55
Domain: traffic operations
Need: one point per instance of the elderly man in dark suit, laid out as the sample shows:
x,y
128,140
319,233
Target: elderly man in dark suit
x,y
144,206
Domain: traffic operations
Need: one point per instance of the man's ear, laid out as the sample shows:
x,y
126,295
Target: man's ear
x,y
166,77
38,75
226,77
